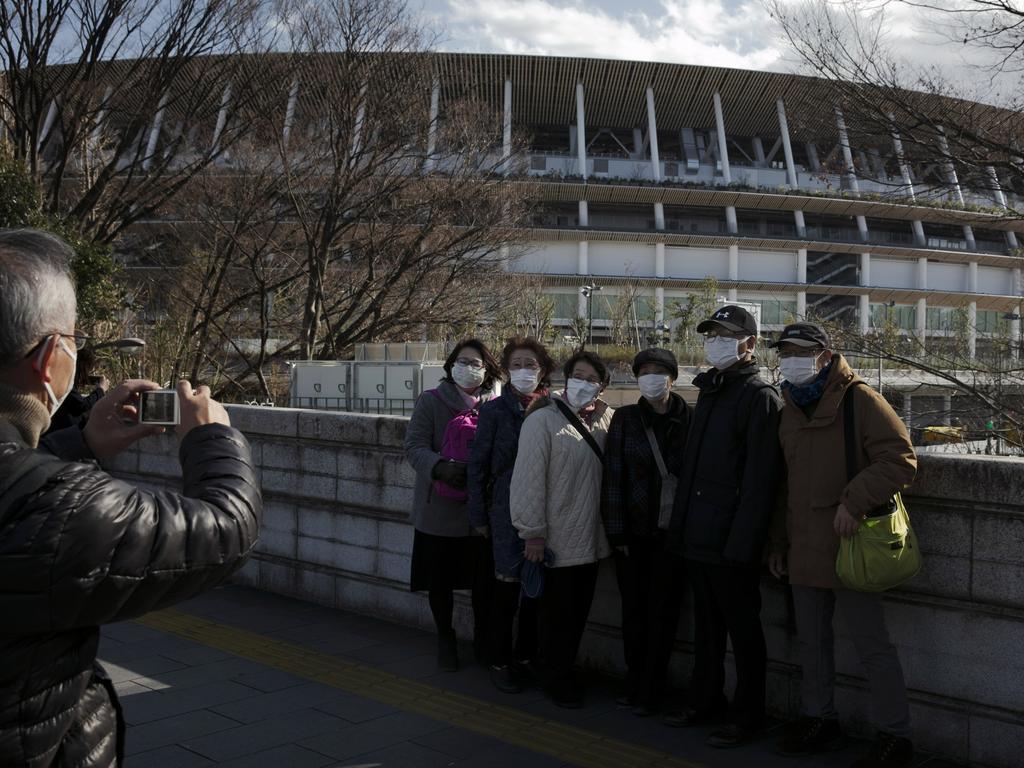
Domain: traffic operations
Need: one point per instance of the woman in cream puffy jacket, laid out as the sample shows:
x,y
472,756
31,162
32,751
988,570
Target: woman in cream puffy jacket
x,y
555,505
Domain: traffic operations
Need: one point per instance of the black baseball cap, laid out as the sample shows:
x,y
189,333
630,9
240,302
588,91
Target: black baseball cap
x,y
657,356
804,335
734,319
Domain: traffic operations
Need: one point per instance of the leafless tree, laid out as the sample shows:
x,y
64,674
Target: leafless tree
x,y
115,105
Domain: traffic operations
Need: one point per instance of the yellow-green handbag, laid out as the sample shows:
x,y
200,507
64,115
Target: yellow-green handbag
x,y
883,553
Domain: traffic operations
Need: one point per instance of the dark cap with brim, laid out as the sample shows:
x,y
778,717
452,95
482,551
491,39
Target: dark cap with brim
x,y
656,356
803,335
734,319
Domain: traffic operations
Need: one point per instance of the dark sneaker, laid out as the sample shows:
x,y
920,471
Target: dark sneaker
x,y
645,709
731,735
810,736
447,653
505,679
685,718
888,751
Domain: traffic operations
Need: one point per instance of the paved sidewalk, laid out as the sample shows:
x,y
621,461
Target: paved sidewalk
x,y
244,678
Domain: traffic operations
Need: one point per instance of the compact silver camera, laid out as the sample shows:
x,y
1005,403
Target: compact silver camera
x,y
159,407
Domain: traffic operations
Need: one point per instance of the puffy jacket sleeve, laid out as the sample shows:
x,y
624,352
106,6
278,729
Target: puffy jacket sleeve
x,y
419,437
478,473
760,479
122,552
528,493
615,483
885,444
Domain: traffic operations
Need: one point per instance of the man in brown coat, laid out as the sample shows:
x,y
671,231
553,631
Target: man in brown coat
x,y
824,504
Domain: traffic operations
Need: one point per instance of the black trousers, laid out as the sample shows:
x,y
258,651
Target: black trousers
x,y
652,583
506,645
727,602
564,607
442,600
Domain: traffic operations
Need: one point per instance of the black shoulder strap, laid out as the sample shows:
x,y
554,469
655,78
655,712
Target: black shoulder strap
x,y
849,441
580,427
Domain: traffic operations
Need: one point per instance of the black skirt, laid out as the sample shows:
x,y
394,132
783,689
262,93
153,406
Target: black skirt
x,y
445,562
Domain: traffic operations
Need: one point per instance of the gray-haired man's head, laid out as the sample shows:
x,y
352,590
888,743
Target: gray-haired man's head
x,y
37,292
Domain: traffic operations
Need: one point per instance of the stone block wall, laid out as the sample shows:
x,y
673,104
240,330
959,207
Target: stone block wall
x,y
337,493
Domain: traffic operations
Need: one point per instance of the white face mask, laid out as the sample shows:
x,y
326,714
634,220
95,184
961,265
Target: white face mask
x,y
466,377
653,386
524,380
799,370
56,402
721,352
581,393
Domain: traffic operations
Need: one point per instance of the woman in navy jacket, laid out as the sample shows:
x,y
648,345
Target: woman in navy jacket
x,y
527,366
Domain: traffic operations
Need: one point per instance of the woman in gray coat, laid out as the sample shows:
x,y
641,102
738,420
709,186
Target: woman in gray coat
x,y
446,555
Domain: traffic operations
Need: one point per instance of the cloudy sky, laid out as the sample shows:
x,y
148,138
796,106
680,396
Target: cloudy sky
x,y
732,33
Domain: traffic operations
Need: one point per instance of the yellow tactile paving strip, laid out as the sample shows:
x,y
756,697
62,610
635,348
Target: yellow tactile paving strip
x,y
588,749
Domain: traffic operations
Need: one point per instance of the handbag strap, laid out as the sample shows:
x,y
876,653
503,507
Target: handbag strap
x,y
656,451
578,425
849,440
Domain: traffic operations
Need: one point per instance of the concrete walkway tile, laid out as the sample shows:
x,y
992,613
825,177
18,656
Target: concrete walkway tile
x,y
459,743
342,745
157,705
129,688
406,755
415,667
266,734
169,757
354,708
130,632
404,725
512,757
203,674
384,652
285,756
173,730
193,654
149,666
269,680
326,637
279,702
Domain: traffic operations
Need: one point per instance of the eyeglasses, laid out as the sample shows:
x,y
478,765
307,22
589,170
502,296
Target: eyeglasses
x,y
588,379
80,339
470,362
531,365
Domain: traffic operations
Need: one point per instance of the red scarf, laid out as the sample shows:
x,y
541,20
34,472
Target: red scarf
x,y
527,400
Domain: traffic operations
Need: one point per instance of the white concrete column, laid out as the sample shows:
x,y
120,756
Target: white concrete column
x,y
652,132
1011,237
581,132
801,225
901,160
908,408
51,116
922,304
581,303
972,310
659,260
844,143
787,147
222,118
1015,333
862,227
506,132
864,313
154,132
289,113
584,214
357,128
918,229
947,162
801,277
723,145
659,305
947,409
865,269
734,268
731,225
659,215
435,111
582,263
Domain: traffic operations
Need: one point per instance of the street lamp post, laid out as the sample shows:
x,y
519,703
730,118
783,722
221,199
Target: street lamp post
x,y
129,346
588,291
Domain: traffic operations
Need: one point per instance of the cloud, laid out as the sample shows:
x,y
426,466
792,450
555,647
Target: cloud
x,y
712,32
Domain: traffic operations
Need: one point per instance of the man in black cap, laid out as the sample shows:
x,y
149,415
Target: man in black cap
x,y
720,522
827,408
643,456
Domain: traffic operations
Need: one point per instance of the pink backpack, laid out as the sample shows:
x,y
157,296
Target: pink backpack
x,y
456,444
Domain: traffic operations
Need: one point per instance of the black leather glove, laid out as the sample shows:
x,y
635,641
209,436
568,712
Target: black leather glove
x,y
451,473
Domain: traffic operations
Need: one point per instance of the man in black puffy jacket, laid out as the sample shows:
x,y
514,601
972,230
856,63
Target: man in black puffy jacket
x,y
720,522
79,548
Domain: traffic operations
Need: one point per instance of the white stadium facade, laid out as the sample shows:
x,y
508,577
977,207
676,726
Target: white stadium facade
x,y
659,175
